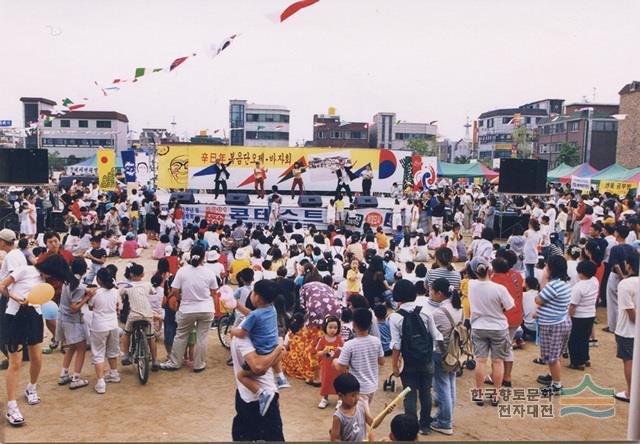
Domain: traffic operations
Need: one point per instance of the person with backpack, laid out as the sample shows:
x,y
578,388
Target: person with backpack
x,y
414,337
449,320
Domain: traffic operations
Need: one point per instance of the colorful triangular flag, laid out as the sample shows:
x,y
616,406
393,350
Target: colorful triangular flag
x,y
177,62
139,72
287,174
66,102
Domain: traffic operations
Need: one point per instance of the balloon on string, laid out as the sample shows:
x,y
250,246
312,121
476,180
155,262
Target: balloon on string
x,y
227,298
41,294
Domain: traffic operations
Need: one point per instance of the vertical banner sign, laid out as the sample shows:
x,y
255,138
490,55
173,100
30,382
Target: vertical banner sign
x,y
129,166
429,172
106,170
580,183
143,169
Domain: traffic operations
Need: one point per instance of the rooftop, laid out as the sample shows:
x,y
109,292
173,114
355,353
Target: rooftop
x,y
107,115
577,116
630,87
511,111
38,99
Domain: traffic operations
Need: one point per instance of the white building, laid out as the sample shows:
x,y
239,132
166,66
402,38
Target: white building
x,y
258,125
495,129
388,132
77,133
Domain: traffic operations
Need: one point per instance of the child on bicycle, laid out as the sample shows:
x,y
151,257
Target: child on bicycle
x,y
139,310
261,325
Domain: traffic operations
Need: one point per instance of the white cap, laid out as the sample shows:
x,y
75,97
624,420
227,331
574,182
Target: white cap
x,y
213,256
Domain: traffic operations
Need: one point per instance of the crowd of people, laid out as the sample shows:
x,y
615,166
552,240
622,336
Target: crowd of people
x,y
326,305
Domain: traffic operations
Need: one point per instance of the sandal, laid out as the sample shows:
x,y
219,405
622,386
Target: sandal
x,y
78,383
538,361
479,401
14,417
313,383
622,396
495,401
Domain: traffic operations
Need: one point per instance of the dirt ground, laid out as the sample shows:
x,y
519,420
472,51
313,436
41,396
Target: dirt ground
x,y
184,406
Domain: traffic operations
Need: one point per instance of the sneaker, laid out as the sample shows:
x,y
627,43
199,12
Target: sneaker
x,y
265,398
283,382
324,402
14,417
111,377
126,360
168,365
593,342
63,380
544,379
32,396
425,430
101,387
54,344
442,430
77,383
551,390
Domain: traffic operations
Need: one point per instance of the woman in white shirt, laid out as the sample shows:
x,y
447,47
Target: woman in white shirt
x,y
23,324
194,286
533,238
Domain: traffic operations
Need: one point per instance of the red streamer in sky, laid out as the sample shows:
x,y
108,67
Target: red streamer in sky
x,y
177,62
295,7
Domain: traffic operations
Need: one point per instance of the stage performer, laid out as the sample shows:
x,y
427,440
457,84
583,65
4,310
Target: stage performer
x,y
297,179
260,174
344,179
367,177
221,177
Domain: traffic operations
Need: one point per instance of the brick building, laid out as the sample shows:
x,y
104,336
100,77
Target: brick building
x,y
628,147
330,131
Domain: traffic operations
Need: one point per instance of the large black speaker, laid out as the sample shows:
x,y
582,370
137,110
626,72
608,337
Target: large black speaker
x,y
184,198
308,201
57,222
523,176
19,166
238,199
505,222
365,202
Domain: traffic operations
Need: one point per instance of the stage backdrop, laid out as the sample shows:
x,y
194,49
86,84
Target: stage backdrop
x,y
192,167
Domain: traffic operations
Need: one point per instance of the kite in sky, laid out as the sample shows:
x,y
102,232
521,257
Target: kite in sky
x,y
295,7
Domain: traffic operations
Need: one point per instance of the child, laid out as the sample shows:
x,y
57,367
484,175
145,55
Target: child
x,y
98,256
354,279
409,274
572,256
582,310
404,427
267,272
156,303
383,326
245,282
531,290
73,239
70,327
104,332
362,355
476,228
436,238
331,212
346,330
23,246
130,247
261,326
140,309
351,419
328,348
339,211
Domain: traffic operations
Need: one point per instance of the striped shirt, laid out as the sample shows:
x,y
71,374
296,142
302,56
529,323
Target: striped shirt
x,y
139,303
441,272
556,296
361,355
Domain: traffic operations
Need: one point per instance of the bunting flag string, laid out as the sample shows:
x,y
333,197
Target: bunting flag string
x,y
295,7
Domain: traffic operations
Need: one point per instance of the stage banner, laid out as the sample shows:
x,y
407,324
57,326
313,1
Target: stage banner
x,y
173,167
425,171
129,166
613,187
580,183
143,169
106,169
375,217
318,166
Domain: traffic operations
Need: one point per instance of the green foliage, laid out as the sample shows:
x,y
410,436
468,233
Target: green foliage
x,y
569,154
424,147
461,160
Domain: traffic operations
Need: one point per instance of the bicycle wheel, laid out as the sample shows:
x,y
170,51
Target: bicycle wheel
x,y
224,330
143,356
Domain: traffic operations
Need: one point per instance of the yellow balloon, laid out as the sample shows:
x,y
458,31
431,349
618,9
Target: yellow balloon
x,y
41,294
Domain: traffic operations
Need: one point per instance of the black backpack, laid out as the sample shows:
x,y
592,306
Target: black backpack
x,y
417,342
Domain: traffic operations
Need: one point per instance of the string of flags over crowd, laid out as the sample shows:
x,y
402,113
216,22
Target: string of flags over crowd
x,y
115,85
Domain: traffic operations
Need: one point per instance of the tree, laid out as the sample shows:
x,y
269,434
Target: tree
x,y
461,159
569,154
521,137
424,147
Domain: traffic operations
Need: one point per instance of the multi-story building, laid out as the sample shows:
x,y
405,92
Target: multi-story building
x,y
388,132
590,128
628,146
496,128
450,150
551,106
330,131
76,133
258,125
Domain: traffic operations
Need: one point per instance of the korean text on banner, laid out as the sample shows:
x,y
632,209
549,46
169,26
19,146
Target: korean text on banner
x,y
106,170
613,187
580,183
173,167
129,166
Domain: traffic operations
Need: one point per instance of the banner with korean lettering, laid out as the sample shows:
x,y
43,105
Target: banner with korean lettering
x,y
318,166
106,169
173,167
613,187
129,166
580,183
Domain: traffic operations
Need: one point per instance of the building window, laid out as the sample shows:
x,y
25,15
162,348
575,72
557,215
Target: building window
x,y
284,118
64,123
604,126
356,135
252,117
83,123
546,129
506,120
480,123
538,120
237,117
336,134
267,135
490,123
47,123
574,127
560,128
527,120
103,123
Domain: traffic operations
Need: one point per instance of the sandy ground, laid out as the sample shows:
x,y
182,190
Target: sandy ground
x,y
184,406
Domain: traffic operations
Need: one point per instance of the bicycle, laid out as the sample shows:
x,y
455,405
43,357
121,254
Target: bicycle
x,y
140,351
225,324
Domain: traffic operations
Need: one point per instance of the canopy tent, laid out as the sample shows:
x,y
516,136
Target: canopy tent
x,y
583,170
560,171
90,166
615,172
633,175
458,170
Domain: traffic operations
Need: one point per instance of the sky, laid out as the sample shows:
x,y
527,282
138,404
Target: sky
x,y
425,60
